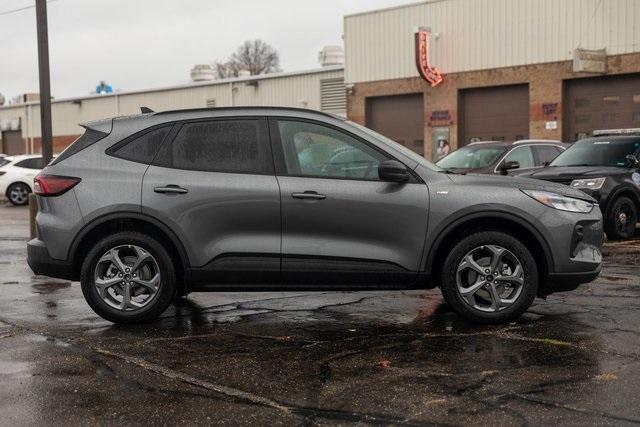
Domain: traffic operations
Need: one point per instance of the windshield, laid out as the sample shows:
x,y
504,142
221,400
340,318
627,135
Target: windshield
x,y
471,158
598,153
404,150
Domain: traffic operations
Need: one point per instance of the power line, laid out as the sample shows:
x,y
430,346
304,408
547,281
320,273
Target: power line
x,y
20,9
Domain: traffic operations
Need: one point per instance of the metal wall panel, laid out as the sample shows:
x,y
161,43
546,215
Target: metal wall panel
x,y
484,34
300,89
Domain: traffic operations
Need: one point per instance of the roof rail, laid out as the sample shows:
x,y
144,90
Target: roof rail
x,y
607,132
483,142
212,109
525,141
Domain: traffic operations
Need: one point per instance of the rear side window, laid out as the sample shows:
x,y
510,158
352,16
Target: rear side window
x,y
235,146
4,162
90,137
143,148
35,163
546,154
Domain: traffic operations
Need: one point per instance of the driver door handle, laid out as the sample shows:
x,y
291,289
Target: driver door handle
x,y
309,195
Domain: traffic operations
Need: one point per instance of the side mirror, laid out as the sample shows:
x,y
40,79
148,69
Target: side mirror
x,y
507,166
393,171
633,160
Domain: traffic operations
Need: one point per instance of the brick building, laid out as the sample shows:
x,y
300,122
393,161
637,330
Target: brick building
x,y
511,69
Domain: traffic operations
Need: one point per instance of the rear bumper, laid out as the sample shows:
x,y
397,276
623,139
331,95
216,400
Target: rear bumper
x,y
42,264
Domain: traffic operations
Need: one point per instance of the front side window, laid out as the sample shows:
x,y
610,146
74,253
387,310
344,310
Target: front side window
x,y
522,155
234,146
318,151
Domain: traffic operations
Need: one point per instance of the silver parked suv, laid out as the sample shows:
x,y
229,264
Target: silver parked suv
x,y
148,208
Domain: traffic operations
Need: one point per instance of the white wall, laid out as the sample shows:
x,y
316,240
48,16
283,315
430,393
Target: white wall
x,y
485,34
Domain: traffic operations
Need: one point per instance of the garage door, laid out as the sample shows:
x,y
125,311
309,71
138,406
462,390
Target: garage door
x,y
399,117
494,113
601,103
12,143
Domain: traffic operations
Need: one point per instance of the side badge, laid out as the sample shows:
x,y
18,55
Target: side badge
x,y
635,177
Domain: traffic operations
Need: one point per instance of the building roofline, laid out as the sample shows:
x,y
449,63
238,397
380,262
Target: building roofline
x,y
386,9
188,85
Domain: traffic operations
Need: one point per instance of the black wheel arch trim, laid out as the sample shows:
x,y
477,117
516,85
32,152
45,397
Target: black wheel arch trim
x,y
488,211
102,219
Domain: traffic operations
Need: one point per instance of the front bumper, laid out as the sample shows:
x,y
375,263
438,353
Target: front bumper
x,y
42,264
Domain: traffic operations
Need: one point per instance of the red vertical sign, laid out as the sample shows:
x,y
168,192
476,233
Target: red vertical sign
x,y
429,73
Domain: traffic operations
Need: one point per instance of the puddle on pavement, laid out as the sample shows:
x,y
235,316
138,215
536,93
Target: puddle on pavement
x,y
49,287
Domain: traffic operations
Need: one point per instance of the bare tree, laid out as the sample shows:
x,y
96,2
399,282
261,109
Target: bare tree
x,y
254,56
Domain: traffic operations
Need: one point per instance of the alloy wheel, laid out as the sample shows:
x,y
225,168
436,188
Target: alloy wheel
x,y
127,277
18,194
490,278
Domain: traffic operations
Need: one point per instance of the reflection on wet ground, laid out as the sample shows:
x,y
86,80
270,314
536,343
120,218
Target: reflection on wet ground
x,y
319,358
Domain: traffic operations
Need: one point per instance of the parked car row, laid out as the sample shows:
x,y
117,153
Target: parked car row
x,y
605,167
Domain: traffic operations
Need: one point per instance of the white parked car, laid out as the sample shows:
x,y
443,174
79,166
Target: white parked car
x,y
16,176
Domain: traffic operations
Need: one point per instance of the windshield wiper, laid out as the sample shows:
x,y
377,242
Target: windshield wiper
x,y
582,164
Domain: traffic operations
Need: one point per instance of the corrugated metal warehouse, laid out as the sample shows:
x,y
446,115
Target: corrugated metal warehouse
x,y
320,89
510,69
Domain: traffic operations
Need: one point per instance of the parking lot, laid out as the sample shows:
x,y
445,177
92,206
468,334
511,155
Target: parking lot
x,y
316,358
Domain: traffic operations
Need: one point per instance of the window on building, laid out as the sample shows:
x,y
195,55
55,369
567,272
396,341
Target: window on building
x,y
143,148
581,103
610,101
318,151
234,146
636,99
610,117
581,118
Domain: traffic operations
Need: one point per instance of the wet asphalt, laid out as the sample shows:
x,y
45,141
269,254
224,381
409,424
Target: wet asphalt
x,y
325,358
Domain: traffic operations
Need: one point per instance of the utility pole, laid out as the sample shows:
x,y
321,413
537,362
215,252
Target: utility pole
x,y
45,84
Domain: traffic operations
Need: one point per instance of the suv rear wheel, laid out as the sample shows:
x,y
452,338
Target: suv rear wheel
x,y
621,222
128,277
489,277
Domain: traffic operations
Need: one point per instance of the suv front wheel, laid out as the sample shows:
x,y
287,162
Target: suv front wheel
x,y
128,277
490,277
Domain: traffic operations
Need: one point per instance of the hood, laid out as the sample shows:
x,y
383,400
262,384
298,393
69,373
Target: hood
x,y
569,173
500,181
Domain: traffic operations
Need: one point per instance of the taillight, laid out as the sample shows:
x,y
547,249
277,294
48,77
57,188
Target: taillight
x,y
53,185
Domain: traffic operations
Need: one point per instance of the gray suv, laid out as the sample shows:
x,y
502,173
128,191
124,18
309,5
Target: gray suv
x,y
148,208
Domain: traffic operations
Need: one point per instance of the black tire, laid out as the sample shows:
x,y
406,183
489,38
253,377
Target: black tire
x,y
18,194
478,240
166,288
620,223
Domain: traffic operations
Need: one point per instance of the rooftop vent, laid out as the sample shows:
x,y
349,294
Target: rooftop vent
x,y
331,55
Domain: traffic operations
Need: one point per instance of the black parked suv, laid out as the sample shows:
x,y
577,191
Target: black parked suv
x,y
606,168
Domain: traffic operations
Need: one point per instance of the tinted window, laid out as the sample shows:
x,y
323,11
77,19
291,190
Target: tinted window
x,y
36,163
4,161
237,146
315,150
471,157
144,148
522,155
601,152
546,153
87,139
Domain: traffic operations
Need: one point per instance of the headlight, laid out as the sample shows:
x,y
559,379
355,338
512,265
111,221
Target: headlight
x,y
557,201
590,184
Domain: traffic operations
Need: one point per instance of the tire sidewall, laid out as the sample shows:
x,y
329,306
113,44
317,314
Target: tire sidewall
x,y
459,250
612,230
161,300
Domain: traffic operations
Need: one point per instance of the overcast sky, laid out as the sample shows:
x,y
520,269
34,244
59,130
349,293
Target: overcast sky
x,y
134,44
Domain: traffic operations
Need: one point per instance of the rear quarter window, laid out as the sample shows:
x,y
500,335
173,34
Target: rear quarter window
x,y
143,149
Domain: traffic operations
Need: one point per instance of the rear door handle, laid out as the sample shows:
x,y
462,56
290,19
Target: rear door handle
x,y
309,195
171,189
